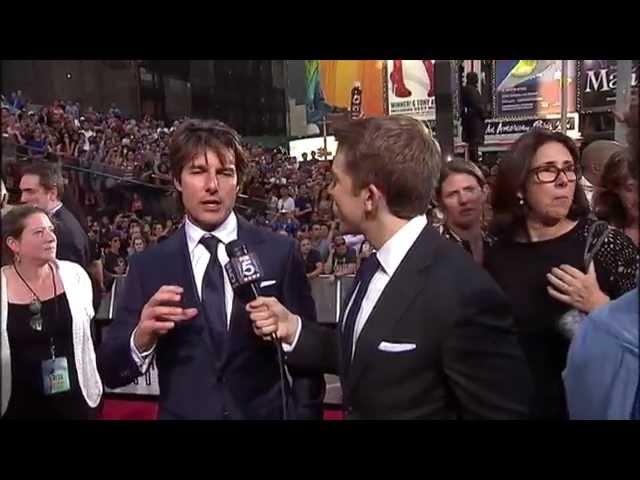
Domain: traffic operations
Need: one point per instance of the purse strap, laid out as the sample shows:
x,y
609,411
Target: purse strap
x,y
594,242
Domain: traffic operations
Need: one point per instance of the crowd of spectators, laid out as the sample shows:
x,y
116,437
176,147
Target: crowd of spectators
x,y
286,194
109,144
107,150
291,197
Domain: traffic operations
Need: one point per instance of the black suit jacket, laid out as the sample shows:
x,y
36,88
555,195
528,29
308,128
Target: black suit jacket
x,y
474,114
73,242
196,380
466,362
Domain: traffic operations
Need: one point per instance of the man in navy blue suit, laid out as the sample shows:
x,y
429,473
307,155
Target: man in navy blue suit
x,y
179,307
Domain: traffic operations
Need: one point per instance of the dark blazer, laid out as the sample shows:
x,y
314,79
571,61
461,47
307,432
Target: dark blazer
x,y
474,113
466,363
73,242
197,380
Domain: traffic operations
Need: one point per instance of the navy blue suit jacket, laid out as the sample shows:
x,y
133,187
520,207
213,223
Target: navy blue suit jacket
x,y
196,381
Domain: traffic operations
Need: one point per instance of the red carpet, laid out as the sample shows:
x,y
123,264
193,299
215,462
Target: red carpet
x,y
128,410
333,415
146,410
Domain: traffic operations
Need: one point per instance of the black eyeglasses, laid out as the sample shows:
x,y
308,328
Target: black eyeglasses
x,y
550,173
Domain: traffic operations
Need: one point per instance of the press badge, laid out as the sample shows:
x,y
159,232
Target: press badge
x,y
55,375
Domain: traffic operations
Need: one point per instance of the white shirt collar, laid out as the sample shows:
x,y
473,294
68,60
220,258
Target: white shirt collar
x,y
55,209
227,232
395,249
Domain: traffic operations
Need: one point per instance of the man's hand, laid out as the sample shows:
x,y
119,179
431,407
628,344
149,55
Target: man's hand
x,y
574,288
159,317
270,316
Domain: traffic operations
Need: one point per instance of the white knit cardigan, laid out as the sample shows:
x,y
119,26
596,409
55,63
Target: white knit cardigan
x,y
77,286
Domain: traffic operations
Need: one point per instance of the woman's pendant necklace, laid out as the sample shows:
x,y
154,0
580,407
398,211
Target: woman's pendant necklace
x,y
35,308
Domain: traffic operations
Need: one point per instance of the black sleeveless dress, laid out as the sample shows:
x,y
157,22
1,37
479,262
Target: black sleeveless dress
x,y
29,348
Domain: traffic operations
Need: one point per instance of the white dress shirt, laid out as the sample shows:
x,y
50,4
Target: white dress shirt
x,y
390,257
55,209
288,205
200,257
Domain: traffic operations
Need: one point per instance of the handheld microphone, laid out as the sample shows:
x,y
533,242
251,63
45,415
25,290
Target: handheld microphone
x,y
245,272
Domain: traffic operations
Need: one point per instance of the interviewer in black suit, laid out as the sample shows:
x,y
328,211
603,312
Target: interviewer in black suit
x,y
433,334
178,304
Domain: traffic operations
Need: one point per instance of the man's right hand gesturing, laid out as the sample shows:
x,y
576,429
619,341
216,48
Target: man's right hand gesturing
x,y
159,315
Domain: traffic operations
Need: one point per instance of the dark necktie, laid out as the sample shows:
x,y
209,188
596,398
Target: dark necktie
x,y
363,279
213,297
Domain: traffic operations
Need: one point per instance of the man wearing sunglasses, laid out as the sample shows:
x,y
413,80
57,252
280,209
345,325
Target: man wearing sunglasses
x,y
342,259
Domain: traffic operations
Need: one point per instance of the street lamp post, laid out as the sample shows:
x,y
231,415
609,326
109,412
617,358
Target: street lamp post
x,y
563,96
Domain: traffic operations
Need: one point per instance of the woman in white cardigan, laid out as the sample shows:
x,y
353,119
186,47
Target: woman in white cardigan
x,y
48,360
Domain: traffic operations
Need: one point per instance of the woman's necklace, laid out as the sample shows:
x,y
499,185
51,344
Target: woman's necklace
x,y
35,307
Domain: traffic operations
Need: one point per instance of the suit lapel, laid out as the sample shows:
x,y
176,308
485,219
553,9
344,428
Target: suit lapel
x,y
398,295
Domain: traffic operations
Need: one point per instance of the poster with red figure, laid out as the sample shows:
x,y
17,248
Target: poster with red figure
x,y
411,88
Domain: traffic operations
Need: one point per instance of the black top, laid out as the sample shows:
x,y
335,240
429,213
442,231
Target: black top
x,y
449,234
351,256
304,203
521,268
312,259
111,262
29,348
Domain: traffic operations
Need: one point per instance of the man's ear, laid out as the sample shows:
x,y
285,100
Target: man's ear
x,y
54,193
373,198
176,184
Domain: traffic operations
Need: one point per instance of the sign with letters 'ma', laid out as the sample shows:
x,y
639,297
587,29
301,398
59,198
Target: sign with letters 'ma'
x,y
597,80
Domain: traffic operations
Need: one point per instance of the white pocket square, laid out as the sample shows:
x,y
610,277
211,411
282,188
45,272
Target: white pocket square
x,y
268,283
396,347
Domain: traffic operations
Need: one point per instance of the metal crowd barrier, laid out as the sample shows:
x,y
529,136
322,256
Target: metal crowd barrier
x,y
146,385
99,169
329,295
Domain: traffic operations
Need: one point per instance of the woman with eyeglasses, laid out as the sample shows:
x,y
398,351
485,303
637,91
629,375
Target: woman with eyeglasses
x,y
48,359
543,233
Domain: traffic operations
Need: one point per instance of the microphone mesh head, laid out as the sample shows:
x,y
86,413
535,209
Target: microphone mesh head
x,y
235,248
244,267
